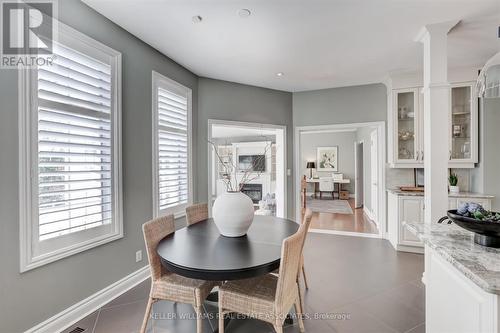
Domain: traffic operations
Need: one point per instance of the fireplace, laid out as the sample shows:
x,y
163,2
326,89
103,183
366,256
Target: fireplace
x,y
254,191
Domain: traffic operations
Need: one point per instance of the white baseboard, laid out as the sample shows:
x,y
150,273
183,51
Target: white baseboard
x,y
369,213
80,310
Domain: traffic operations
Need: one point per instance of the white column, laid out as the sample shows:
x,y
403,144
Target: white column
x,y
436,107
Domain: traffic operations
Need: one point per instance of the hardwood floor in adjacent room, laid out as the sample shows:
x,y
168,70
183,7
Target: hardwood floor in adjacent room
x,y
357,222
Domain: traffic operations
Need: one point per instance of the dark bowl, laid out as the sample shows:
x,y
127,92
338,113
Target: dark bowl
x,y
485,233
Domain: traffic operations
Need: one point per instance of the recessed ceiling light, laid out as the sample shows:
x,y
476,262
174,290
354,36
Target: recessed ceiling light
x,y
197,19
244,13
279,74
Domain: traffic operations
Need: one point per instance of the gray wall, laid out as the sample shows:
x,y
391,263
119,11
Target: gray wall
x,y
345,142
340,105
223,100
29,298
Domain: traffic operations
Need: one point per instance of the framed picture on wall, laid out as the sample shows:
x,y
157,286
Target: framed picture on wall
x,y
327,158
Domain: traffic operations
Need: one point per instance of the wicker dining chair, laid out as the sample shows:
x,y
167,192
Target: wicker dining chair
x,y
166,285
196,213
302,271
306,220
269,297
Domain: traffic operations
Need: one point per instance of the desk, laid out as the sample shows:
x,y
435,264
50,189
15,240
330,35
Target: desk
x,y
315,181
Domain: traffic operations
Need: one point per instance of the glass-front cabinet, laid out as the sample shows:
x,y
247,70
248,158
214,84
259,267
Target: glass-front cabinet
x,y
406,146
405,118
463,124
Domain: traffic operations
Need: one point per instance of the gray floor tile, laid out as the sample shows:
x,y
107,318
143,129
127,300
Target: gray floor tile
x,y
379,287
418,329
125,318
409,295
140,292
353,319
392,312
177,317
86,323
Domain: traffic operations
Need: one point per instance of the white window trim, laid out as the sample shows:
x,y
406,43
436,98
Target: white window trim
x,y
159,80
27,154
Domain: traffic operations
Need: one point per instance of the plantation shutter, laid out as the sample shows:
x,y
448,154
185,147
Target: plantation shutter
x,y
75,150
172,143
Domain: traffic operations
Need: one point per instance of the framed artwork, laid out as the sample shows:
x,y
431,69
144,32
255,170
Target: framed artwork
x,y
327,158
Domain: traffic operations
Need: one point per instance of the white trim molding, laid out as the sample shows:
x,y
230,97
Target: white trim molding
x,y
212,122
33,252
158,80
381,131
80,310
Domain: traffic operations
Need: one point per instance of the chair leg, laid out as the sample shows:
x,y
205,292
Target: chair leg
x,y
199,321
305,278
146,315
301,299
278,327
221,320
298,311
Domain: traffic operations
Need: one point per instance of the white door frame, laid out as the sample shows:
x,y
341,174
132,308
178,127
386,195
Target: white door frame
x,y
212,122
356,143
374,209
380,125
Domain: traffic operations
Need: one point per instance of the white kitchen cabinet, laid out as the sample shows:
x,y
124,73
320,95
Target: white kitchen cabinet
x,y
410,208
404,209
405,118
463,126
406,127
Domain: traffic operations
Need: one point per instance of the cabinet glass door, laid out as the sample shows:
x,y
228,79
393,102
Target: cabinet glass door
x,y
406,125
461,123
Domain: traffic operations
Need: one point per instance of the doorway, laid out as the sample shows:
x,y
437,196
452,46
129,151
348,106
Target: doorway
x,y
347,196
251,157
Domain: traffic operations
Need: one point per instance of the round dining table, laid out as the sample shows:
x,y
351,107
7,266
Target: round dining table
x,y
199,251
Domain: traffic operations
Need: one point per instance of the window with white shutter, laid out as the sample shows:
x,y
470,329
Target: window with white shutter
x,y
172,146
71,137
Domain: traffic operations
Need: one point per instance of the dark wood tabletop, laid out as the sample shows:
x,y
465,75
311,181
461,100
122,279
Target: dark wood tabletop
x,y
199,251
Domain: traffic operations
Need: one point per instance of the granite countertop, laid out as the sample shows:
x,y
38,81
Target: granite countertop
x,y
456,245
397,191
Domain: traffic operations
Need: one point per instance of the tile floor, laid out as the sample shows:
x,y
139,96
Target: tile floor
x,y
367,285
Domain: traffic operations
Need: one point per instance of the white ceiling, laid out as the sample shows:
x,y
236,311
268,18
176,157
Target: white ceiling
x,y
316,44
224,131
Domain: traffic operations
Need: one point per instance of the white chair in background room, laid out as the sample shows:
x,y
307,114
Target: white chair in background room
x,y
326,185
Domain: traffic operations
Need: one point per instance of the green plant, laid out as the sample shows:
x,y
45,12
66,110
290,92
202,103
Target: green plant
x,y
453,179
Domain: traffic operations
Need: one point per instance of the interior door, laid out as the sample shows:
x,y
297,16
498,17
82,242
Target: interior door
x,y
358,177
374,175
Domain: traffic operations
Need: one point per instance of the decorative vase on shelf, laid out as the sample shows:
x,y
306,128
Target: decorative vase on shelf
x,y
233,214
454,189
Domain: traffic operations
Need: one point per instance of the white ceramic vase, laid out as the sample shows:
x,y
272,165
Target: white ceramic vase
x,y
454,189
233,214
